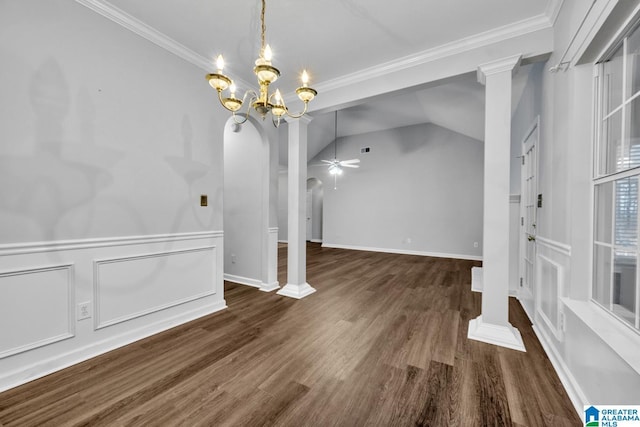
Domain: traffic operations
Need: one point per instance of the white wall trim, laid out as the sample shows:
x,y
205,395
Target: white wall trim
x,y
273,230
120,17
283,241
496,35
403,252
624,341
514,198
100,242
477,282
255,283
42,368
553,10
559,269
571,386
99,324
71,303
269,287
562,248
82,255
316,240
510,63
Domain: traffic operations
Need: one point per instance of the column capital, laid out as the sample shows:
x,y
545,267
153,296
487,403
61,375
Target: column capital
x,y
510,63
305,120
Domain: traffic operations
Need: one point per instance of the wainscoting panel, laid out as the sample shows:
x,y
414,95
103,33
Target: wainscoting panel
x,y
550,287
36,307
133,286
130,287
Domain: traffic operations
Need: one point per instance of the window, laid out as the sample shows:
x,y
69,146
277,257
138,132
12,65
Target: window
x,y
616,280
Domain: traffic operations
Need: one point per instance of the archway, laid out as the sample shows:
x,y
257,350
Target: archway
x,y
315,207
250,255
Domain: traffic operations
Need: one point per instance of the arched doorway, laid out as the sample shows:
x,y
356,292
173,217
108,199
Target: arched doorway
x,y
315,205
250,256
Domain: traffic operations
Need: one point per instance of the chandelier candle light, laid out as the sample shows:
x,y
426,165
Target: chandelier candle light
x,y
262,102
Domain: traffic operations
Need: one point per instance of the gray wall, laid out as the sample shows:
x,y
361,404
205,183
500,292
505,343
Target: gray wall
x,y
419,189
90,146
107,142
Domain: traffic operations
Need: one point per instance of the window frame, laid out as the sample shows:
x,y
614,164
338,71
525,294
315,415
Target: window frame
x,y
601,176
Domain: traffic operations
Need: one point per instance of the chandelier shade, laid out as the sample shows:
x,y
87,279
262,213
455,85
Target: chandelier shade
x,y
262,101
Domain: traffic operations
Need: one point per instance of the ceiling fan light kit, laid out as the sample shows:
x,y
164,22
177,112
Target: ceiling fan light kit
x,y
336,166
262,101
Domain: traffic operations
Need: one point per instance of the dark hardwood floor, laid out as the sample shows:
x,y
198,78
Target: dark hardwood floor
x,y
382,343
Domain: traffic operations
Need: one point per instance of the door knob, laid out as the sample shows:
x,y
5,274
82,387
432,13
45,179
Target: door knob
x,y
531,238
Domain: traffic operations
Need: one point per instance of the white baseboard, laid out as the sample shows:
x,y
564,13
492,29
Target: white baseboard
x,y
403,251
571,386
316,240
48,366
243,280
254,283
283,241
269,287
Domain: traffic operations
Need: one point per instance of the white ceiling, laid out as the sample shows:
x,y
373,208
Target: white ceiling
x,y
331,38
336,38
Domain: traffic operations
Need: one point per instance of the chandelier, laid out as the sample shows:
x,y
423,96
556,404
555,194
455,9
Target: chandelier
x,y
263,101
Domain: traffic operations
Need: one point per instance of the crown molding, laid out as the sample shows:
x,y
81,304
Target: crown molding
x,y
122,18
516,29
496,35
553,10
127,21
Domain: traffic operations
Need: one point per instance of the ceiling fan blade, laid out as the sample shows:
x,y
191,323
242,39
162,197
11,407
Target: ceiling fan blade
x,y
350,166
327,161
350,161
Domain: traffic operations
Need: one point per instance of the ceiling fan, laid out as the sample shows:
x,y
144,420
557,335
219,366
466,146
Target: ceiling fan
x,y
335,165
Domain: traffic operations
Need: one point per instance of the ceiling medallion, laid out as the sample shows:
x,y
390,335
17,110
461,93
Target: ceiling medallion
x,y
263,102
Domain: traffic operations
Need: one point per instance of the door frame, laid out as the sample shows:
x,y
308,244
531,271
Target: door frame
x,y
527,294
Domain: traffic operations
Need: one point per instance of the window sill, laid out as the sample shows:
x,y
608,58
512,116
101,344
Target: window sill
x,y
620,338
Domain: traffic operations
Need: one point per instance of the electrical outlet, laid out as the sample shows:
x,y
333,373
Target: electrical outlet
x,y
84,310
233,258
562,321
475,244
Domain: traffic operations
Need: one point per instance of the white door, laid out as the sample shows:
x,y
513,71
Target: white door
x,y
528,208
309,215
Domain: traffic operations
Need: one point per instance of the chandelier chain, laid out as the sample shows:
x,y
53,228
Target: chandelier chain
x,y
263,102
264,28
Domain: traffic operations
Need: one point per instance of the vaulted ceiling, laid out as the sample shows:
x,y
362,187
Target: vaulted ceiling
x,y
336,40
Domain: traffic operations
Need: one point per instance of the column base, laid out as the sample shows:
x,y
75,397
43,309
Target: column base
x,y
296,291
268,287
502,335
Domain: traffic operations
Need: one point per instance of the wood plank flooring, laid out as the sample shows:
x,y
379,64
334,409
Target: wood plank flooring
x,y
382,343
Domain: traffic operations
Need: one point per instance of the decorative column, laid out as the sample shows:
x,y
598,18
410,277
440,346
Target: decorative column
x,y
297,286
493,326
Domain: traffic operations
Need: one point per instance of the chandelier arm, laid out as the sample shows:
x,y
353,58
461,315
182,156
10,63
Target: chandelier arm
x,y
298,115
241,122
252,96
221,101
